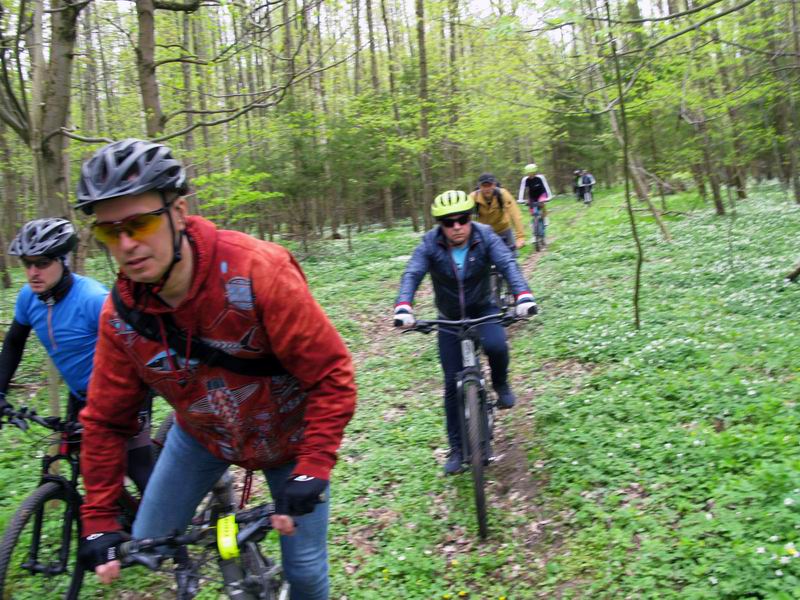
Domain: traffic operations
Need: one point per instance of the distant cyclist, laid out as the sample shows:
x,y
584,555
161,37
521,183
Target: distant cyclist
x,y
585,184
458,254
64,310
576,180
534,185
496,207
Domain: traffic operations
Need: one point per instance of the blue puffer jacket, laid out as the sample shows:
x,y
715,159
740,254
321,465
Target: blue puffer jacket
x,y
455,298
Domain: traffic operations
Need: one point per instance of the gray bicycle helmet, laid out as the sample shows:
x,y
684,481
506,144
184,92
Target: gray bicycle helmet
x,y
51,237
126,168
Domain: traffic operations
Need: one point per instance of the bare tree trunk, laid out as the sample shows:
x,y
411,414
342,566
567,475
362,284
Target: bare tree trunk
x,y
188,106
424,157
708,163
357,35
146,67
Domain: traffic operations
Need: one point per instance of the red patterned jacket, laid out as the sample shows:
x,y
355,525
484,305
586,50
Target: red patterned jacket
x,y
249,298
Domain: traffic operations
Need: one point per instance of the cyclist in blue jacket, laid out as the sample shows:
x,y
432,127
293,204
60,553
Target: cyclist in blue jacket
x,y
458,254
64,309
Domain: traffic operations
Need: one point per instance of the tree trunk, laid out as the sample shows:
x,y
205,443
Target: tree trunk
x,y
188,106
424,134
357,35
146,67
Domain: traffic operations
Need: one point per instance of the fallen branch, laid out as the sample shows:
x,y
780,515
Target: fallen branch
x,y
662,212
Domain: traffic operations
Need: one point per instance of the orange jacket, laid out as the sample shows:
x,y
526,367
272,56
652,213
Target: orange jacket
x,y
249,298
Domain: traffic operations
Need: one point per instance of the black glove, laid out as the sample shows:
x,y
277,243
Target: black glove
x,y
4,405
300,495
98,549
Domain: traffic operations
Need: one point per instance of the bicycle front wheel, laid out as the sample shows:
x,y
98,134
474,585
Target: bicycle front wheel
x,y
38,552
473,417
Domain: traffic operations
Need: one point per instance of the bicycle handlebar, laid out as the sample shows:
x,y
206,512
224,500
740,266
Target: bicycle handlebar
x,y
20,418
144,551
429,325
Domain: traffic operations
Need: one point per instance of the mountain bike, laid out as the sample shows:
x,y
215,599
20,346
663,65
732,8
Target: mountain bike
x,y
38,552
476,414
586,194
538,225
500,291
230,539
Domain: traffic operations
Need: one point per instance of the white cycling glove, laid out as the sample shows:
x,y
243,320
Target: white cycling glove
x,y
404,316
525,306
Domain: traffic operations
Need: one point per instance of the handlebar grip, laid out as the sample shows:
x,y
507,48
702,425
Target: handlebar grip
x,y
130,553
17,422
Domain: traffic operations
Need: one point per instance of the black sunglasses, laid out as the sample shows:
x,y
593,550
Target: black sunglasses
x,y
451,221
39,263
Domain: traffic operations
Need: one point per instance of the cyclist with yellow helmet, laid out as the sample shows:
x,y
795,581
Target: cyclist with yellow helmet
x,y
458,254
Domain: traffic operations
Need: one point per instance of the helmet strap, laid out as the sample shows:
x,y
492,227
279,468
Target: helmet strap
x,y
61,288
177,251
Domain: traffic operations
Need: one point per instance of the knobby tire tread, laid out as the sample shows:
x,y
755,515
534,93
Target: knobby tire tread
x,y
45,493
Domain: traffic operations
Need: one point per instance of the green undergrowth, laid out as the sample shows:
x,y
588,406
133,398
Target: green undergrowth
x,y
667,458
674,463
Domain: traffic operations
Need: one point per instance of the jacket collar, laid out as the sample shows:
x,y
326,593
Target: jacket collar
x,y
202,235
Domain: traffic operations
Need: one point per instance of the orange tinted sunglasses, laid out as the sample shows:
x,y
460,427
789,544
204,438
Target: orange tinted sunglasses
x,y
136,227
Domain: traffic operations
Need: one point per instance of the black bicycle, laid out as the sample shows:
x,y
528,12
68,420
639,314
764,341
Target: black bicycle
x,y
223,536
501,293
38,552
476,414
586,195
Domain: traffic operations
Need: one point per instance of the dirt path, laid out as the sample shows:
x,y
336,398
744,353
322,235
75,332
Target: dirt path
x,y
513,483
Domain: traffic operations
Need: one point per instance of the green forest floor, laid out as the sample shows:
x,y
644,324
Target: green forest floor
x,y
662,463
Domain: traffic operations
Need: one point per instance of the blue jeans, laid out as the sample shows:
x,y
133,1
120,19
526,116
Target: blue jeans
x,y
493,342
184,474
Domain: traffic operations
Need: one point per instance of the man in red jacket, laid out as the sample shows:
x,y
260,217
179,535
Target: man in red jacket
x,y
259,377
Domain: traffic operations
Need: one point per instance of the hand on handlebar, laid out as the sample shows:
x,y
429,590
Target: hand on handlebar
x,y
525,306
98,553
5,407
404,316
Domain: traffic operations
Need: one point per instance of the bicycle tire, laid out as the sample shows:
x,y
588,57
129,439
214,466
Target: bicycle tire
x,y
474,431
587,198
274,585
539,234
48,500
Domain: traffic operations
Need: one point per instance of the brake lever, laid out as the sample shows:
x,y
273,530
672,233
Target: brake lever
x,y
20,423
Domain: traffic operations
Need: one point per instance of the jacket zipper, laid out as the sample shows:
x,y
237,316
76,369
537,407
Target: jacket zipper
x,y
50,303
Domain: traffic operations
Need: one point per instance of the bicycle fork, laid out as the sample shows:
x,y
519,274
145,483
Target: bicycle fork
x,y
472,375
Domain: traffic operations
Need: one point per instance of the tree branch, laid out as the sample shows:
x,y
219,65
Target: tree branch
x,y
189,6
692,27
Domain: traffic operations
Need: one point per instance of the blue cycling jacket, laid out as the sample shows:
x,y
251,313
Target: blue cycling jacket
x,y
460,297
74,328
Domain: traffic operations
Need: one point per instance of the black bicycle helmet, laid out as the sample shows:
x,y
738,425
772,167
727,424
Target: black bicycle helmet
x,y
51,237
127,168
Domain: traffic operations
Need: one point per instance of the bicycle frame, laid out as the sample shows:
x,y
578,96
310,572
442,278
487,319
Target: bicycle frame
x,y
253,579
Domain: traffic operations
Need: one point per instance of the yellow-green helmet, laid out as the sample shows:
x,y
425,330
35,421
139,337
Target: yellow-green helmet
x,y
451,202
530,169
